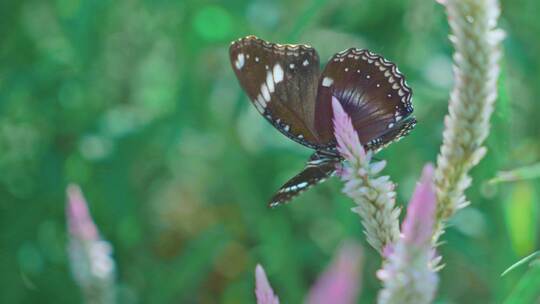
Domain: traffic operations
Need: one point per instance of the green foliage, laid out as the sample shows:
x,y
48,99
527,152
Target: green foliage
x,y
527,172
521,218
521,262
527,290
136,102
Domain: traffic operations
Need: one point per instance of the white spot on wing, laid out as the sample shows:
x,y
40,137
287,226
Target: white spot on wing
x,y
278,73
261,101
270,82
327,81
302,185
265,93
259,107
240,60
305,63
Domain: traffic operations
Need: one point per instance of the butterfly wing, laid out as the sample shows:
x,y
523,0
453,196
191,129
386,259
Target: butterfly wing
x,y
318,169
281,82
372,91
401,129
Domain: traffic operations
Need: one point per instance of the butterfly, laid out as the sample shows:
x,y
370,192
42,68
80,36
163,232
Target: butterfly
x,y
285,84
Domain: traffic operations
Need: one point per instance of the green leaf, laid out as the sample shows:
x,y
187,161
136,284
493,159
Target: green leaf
x,y
523,173
521,262
527,291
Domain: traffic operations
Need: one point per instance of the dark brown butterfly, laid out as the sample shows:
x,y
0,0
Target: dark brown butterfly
x,y
285,84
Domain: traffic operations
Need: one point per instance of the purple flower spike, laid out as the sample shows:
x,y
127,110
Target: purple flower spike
x,y
340,283
417,228
349,145
263,290
374,195
90,257
408,274
80,222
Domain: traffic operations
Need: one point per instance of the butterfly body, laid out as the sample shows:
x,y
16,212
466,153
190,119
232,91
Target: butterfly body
x,y
285,84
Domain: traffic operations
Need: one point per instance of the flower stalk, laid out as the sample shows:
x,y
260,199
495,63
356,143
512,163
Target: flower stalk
x,y
477,41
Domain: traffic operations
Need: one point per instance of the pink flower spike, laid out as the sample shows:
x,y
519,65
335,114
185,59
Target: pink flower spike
x,y
80,222
374,195
340,283
347,139
408,274
418,224
90,256
263,290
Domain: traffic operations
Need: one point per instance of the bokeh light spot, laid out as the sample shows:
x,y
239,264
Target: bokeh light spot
x,y
30,259
520,215
213,23
264,13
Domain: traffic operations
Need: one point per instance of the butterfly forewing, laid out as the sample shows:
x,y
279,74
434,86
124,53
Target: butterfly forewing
x,y
281,81
371,90
318,168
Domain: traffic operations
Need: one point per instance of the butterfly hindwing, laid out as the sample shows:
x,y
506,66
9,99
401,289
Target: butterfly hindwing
x,y
281,82
371,90
401,129
318,168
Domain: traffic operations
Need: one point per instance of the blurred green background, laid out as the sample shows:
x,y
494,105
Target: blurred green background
x,y
136,101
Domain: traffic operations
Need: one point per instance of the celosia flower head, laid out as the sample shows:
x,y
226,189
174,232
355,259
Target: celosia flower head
x,y
340,283
374,195
263,290
417,227
80,222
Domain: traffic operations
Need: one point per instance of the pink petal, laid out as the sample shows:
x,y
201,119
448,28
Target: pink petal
x,y
340,283
263,290
417,227
80,222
